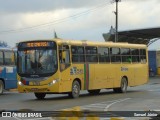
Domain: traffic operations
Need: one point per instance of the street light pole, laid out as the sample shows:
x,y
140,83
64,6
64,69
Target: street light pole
x,y
116,13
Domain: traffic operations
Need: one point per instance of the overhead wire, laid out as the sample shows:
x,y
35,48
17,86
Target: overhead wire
x,y
56,21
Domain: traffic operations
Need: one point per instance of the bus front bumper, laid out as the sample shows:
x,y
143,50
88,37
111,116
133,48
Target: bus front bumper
x,y
41,88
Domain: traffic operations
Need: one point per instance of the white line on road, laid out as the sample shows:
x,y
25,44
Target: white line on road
x,y
88,106
154,90
116,101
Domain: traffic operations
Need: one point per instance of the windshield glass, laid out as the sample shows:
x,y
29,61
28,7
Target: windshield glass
x,y
37,61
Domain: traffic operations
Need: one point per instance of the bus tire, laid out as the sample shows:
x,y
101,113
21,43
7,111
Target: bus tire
x,y
123,87
75,90
40,96
94,92
1,87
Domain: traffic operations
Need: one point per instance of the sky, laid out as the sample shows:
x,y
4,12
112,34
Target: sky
x,y
73,19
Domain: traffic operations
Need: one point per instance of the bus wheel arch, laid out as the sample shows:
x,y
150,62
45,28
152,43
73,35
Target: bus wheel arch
x,y
123,85
2,86
75,90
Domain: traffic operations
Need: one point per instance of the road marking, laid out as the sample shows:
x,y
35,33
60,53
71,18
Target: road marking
x,y
102,106
93,106
114,100
154,90
117,101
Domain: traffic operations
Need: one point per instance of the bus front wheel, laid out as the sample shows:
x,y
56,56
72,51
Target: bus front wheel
x,y
40,96
1,87
75,90
123,87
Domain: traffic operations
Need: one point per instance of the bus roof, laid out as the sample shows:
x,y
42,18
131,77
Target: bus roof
x,y
92,43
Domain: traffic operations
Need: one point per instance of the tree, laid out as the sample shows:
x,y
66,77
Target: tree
x,y
3,44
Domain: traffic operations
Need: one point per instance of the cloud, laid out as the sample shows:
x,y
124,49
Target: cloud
x,y
142,14
83,27
52,18
22,6
20,14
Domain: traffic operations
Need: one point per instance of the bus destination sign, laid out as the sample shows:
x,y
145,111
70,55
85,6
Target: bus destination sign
x,y
37,44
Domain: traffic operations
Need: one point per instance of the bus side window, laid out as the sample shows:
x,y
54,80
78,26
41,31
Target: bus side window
x,y
15,57
91,54
115,54
64,57
1,58
77,54
103,53
8,58
143,56
60,56
126,55
135,55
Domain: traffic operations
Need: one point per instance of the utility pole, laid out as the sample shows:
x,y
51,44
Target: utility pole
x,y
116,13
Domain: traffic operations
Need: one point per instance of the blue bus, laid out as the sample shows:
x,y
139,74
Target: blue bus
x,y
8,79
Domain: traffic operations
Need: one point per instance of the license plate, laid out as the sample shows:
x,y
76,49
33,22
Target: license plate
x,y
36,83
37,89
34,89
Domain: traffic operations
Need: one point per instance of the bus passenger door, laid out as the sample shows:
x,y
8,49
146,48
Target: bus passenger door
x,y
64,65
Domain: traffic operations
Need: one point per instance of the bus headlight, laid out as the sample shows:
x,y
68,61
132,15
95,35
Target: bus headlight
x,y
20,83
53,82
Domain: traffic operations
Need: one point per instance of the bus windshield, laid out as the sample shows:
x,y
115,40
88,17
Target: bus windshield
x,y
41,61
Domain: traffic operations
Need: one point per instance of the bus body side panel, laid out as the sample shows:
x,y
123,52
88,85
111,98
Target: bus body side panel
x,y
136,74
104,76
65,80
127,70
130,75
10,75
2,74
74,72
115,72
141,74
89,79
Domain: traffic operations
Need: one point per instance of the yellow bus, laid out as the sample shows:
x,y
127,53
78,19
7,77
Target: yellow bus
x,y
67,66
